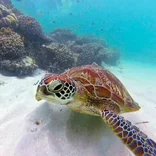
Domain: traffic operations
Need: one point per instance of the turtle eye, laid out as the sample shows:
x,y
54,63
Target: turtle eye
x,y
55,86
58,88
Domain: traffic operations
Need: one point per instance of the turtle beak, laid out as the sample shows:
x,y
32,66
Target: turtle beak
x,y
38,98
43,94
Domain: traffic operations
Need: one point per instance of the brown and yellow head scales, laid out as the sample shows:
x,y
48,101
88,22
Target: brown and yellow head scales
x,y
54,87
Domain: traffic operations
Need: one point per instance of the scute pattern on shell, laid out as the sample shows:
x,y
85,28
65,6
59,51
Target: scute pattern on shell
x,y
101,84
94,75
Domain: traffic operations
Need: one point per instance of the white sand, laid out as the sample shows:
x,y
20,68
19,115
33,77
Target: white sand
x,y
63,132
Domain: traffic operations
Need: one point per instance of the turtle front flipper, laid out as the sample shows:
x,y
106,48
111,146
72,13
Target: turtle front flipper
x,y
137,141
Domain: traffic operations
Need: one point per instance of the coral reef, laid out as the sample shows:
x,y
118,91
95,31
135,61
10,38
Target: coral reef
x,y
6,3
23,45
13,59
20,67
57,58
89,53
11,45
30,28
19,44
111,56
7,17
90,39
82,40
63,35
94,51
86,49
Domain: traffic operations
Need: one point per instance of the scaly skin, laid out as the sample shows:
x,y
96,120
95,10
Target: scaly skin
x,y
131,136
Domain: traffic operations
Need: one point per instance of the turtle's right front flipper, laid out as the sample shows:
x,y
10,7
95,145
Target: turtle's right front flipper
x,y
131,136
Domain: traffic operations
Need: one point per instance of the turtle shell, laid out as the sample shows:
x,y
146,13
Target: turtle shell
x,y
102,87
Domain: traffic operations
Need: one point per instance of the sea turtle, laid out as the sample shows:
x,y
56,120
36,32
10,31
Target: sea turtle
x,y
95,91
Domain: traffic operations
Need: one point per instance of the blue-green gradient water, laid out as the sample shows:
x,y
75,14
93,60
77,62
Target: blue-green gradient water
x,y
129,25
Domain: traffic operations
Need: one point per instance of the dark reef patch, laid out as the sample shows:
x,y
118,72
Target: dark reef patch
x,y
30,28
24,46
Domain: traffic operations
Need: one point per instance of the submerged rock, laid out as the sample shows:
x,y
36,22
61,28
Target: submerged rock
x,y
20,67
111,56
63,35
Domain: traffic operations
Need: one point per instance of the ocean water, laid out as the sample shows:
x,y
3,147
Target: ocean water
x,y
39,128
125,24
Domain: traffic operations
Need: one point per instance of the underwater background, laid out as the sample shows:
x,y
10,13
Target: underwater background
x,y
51,36
128,25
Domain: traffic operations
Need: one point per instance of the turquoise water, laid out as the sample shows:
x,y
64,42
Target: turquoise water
x,y
29,127
125,24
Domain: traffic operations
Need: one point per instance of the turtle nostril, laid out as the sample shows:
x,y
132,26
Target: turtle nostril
x,y
44,90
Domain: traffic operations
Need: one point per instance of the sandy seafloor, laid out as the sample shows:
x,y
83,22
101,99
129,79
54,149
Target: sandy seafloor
x,y
62,132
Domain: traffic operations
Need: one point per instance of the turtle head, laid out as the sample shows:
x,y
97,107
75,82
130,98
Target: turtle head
x,y
56,89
